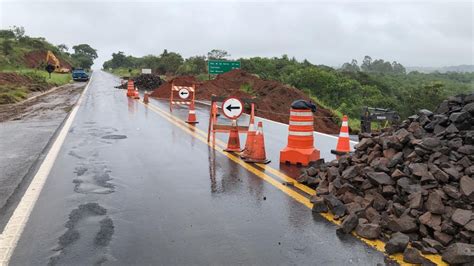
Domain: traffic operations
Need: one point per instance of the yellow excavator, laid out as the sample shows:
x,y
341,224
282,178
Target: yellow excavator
x,y
57,66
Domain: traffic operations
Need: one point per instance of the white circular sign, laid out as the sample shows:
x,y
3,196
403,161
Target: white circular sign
x,y
232,108
183,93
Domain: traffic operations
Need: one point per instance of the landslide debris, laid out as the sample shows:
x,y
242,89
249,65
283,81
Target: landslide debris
x,y
147,82
273,99
164,90
15,87
413,183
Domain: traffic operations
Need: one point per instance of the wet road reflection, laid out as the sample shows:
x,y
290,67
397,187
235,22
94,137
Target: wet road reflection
x,y
175,200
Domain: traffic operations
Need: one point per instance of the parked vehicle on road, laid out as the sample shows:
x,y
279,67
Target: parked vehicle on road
x,y
79,74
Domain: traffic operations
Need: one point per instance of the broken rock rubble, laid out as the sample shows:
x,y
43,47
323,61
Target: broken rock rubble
x,y
412,185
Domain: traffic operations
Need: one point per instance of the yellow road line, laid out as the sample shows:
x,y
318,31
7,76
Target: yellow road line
x,y
286,178
280,175
300,198
199,134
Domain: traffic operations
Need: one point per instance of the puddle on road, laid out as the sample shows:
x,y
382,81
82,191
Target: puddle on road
x,y
93,180
114,137
87,225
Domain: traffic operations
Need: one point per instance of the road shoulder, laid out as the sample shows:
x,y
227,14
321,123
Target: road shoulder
x,y
27,132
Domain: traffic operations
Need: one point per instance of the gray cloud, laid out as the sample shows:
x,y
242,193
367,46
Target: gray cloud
x,y
421,34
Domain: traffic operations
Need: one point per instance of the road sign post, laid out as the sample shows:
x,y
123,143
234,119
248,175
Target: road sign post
x,y
215,67
233,107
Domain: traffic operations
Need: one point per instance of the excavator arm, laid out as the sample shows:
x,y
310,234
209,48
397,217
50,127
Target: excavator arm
x,y
57,66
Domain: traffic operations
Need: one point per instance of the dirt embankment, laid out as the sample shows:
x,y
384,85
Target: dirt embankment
x,y
15,87
36,59
273,98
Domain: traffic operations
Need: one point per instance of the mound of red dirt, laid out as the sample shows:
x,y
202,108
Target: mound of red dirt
x,y
273,99
164,90
37,59
14,78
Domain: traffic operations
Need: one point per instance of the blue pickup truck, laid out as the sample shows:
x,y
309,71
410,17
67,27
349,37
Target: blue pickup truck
x,y
79,74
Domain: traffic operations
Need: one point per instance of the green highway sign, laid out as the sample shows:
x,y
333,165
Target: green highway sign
x,y
221,66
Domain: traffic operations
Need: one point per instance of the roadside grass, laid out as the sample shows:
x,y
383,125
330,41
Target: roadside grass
x,y
247,88
204,77
57,79
354,123
123,72
12,94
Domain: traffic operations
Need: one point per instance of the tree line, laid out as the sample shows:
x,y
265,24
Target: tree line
x,y
375,83
15,37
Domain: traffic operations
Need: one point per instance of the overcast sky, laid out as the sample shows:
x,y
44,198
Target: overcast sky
x,y
426,33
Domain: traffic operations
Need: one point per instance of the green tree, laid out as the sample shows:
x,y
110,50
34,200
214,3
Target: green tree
x,y
86,50
193,66
7,47
398,68
169,62
353,66
19,31
366,64
217,54
84,55
82,61
7,34
63,48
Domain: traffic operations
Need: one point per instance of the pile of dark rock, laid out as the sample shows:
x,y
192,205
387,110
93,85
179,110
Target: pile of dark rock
x,y
412,186
147,82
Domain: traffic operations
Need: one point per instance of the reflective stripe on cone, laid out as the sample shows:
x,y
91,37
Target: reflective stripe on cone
x,y
300,148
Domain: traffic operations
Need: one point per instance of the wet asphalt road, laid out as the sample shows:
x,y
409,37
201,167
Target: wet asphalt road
x,y
131,188
26,135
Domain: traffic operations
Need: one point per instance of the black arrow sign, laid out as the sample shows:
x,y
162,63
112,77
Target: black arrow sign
x,y
184,92
230,107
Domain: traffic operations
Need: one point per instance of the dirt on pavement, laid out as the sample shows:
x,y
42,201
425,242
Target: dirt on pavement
x,y
60,98
273,98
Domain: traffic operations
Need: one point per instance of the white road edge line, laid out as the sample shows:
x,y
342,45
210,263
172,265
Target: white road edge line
x,y
15,226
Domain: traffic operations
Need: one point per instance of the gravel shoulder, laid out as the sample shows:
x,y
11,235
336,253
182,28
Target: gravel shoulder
x,y
26,129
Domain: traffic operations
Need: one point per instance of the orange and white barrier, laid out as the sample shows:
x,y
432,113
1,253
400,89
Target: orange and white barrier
x,y
130,88
300,148
343,142
186,96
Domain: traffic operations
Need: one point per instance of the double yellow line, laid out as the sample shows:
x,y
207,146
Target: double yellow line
x,y
260,171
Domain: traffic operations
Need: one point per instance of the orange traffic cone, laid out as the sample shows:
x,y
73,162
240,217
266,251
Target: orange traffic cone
x,y
233,145
145,97
257,154
130,88
135,94
250,137
192,114
343,147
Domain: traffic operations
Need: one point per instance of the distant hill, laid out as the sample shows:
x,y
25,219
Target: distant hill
x,y
460,69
